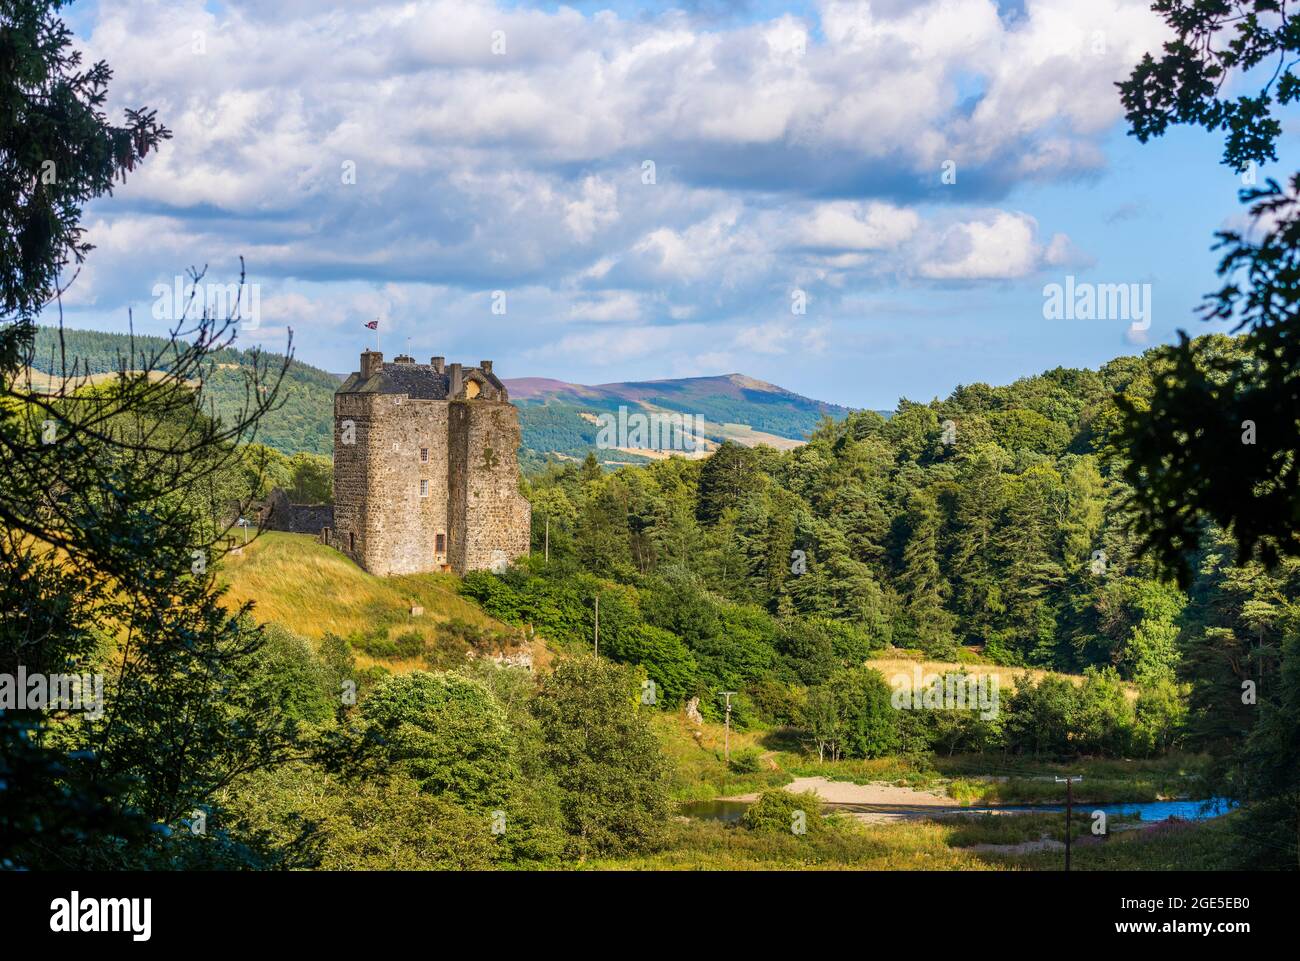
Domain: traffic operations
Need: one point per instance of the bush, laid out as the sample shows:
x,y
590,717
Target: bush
x,y
665,658
747,761
378,644
781,812
298,680
776,702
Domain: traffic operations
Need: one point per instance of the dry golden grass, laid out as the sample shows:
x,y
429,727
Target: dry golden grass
x,y
889,666
299,583
42,382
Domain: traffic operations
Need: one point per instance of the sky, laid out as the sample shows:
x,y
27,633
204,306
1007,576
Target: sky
x,y
858,200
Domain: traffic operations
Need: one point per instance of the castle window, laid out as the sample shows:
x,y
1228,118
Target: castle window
x,y
352,542
424,455
440,543
424,488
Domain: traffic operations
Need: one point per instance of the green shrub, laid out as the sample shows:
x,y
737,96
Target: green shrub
x,y
608,765
446,731
781,812
747,761
777,702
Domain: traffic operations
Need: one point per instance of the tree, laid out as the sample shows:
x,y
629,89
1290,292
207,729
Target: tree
x,y
851,715
57,151
312,479
607,762
926,589
863,698
728,476
1205,400
447,732
114,512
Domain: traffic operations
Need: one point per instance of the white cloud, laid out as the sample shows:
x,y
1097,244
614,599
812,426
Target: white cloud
x,y
845,225
791,150
998,248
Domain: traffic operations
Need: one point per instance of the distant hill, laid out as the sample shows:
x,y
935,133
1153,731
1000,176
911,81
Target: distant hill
x,y
561,418
302,422
557,417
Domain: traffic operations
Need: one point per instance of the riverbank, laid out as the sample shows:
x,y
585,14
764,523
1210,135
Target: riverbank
x,y
888,803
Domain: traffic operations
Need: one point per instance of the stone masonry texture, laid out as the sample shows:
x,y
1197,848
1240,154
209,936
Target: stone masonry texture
x,y
426,476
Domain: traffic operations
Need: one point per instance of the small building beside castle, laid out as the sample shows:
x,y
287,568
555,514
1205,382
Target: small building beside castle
x,y
426,474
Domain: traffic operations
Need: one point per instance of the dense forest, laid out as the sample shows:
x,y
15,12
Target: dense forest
x,y
993,525
994,519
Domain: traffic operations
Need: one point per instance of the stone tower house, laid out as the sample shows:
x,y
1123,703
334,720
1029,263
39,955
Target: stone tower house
x,y
425,469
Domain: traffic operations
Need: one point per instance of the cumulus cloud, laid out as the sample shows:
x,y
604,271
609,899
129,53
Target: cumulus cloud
x,y
430,151
999,247
845,225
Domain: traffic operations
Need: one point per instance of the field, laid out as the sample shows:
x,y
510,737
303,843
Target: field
x,y
892,664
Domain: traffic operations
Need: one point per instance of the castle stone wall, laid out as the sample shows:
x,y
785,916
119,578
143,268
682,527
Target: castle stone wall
x,y
352,457
497,520
471,473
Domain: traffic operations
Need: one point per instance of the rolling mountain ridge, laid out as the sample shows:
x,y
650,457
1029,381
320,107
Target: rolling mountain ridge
x,y
557,418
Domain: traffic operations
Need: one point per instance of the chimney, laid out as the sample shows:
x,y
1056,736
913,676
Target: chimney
x,y
403,359
453,391
372,361
486,365
438,363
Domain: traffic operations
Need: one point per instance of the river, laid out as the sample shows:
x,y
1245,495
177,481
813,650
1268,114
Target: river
x,y
1146,810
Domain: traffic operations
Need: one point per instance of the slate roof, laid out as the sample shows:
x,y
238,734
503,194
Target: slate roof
x,y
418,381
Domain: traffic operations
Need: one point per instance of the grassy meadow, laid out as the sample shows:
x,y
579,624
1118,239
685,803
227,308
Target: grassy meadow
x,y
302,585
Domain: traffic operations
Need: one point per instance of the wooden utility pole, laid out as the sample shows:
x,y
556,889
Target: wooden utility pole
x,y
1069,813
727,729
547,557
598,625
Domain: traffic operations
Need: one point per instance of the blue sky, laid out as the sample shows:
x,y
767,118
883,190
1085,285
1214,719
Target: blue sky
x,y
797,150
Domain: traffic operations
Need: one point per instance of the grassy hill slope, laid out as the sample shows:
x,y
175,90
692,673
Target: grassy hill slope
x,y
300,584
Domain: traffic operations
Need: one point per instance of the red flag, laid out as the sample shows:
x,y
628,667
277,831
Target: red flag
x,y
373,325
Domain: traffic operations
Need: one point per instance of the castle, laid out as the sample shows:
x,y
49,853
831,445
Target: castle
x,y
426,476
